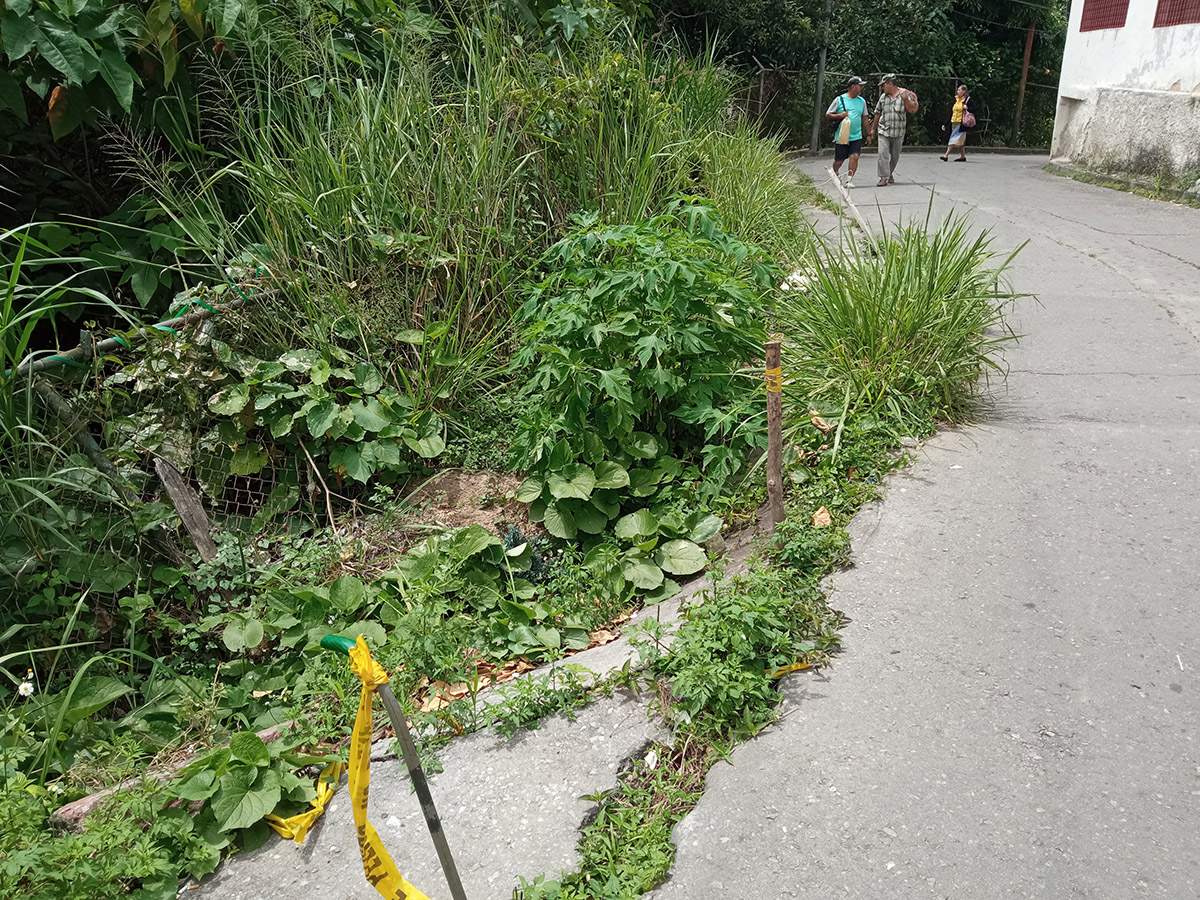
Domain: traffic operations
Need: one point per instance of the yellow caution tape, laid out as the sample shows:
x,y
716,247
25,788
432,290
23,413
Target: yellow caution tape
x,y
377,864
794,667
296,827
774,379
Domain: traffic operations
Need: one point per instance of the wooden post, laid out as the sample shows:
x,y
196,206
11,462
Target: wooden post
x,y
187,505
1016,127
774,376
56,404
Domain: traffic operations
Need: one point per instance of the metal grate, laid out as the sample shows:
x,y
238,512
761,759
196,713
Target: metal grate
x,y
1100,14
1176,12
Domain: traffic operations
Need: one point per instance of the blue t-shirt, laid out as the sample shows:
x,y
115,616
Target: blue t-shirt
x,y
857,107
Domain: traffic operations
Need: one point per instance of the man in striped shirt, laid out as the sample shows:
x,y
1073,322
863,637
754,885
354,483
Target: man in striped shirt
x,y
891,122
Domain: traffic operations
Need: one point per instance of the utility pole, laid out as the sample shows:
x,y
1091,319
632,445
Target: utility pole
x,y
1016,128
818,105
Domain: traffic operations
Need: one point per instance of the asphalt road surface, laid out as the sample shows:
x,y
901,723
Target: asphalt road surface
x,y
1016,714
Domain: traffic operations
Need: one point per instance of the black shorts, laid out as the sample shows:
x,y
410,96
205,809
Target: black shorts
x,y
845,151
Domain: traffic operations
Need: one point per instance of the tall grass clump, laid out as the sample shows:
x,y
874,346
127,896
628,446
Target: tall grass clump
x,y
397,193
904,332
744,177
424,188
38,475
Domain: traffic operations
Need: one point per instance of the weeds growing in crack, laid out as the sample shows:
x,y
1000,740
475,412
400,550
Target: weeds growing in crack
x,y
626,848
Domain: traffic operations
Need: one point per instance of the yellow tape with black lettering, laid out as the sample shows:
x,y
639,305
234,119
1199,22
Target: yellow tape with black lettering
x,y
784,670
296,827
377,864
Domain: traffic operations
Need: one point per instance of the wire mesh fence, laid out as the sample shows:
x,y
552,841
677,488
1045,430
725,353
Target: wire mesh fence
x,y
936,95
128,458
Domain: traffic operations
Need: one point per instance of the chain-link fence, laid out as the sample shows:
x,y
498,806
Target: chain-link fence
x,y
143,448
785,99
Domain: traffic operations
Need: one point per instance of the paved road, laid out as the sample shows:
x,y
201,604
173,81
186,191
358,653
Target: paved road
x,y
1017,711
510,807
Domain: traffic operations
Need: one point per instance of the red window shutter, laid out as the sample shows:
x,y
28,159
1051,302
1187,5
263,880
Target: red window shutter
x,y
1176,12
1100,14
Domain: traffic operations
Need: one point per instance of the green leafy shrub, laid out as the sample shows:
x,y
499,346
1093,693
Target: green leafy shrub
x,y
132,845
475,585
633,347
721,662
905,332
225,414
648,545
136,256
240,784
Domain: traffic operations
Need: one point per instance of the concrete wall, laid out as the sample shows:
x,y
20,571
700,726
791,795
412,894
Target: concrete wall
x,y
1129,98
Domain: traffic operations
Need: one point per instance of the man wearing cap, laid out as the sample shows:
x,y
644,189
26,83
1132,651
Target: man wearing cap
x,y
891,122
853,107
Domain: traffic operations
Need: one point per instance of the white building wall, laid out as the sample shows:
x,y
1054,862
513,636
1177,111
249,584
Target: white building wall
x,y
1129,98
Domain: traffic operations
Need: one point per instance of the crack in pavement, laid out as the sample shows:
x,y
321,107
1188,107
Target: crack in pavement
x,y
1186,262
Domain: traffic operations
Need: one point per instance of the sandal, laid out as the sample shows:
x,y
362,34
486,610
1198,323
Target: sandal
x,y
961,159
943,158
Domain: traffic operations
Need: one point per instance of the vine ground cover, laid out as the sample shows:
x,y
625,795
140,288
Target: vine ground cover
x,y
448,613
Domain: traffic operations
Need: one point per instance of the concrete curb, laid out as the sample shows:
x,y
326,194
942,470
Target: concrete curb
x,y
1103,179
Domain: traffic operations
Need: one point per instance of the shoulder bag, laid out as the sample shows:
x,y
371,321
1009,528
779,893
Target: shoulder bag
x,y
843,132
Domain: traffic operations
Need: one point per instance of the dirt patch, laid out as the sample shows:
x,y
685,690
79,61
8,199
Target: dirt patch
x,y
453,498
456,498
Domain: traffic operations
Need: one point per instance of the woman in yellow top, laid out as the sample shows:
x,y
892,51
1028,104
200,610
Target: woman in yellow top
x,y
957,127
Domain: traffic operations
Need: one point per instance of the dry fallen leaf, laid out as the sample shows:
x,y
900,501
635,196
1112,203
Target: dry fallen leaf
x,y
437,698
818,422
821,518
257,694
601,636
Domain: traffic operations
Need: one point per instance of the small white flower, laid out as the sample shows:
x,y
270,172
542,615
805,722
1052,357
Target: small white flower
x,y
26,689
55,788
